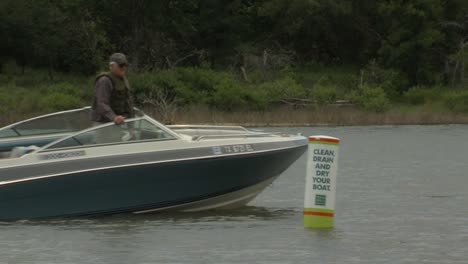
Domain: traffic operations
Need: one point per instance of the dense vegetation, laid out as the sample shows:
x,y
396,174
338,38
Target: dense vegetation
x,y
240,54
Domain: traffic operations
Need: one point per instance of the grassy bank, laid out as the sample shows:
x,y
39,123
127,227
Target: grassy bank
x,y
299,97
283,116
324,116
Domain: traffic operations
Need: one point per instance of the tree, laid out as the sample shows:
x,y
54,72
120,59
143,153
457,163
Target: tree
x,y
412,35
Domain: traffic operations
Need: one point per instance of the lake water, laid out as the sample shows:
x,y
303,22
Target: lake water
x,y
402,197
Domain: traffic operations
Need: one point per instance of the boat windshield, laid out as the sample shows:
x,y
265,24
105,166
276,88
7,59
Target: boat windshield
x,y
8,132
132,131
65,122
56,123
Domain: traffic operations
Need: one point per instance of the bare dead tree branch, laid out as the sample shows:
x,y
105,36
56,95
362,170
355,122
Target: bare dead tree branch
x,y
164,104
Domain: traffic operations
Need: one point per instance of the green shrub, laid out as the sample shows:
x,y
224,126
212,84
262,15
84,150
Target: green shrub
x,y
324,94
26,101
229,96
391,81
55,101
67,88
169,82
419,95
281,89
30,102
193,86
371,99
18,100
415,96
6,101
457,101
31,79
220,90
34,92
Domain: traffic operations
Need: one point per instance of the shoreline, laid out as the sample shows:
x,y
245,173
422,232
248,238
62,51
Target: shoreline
x,y
323,117
248,125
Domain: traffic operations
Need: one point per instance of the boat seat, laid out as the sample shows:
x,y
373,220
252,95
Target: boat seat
x,y
17,152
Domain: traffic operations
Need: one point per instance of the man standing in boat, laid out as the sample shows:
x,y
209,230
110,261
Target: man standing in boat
x,y
112,101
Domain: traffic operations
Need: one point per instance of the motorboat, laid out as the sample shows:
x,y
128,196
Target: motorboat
x,y
62,165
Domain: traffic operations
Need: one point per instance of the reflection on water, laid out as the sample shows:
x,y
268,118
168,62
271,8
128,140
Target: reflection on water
x,y
246,213
402,197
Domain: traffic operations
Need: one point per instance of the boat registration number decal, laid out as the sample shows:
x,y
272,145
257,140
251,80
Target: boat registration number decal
x,y
63,155
218,150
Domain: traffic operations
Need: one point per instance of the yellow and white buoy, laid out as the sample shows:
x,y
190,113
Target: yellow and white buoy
x,y
322,166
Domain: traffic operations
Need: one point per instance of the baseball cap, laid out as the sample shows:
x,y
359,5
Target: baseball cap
x,y
118,58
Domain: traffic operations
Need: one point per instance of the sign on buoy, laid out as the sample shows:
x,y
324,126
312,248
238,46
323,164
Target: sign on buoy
x,y
322,165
